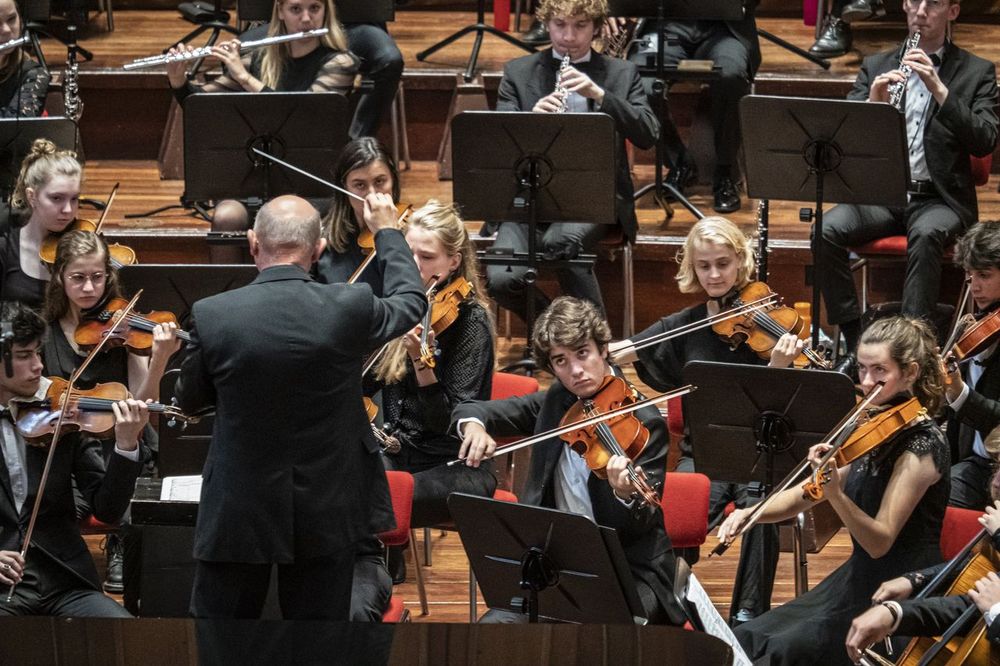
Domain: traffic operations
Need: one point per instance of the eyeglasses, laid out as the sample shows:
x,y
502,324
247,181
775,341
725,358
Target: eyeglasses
x,y
79,279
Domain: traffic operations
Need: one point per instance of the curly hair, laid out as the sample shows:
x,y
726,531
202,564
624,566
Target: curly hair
x,y
595,10
979,248
568,322
718,231
912,341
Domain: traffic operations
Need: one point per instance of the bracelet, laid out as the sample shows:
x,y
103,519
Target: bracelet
x,y
892,611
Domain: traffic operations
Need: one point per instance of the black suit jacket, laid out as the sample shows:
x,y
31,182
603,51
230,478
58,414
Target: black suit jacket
x,y
932,616
107,489
530,78
979,413
966,124
640,530
293,467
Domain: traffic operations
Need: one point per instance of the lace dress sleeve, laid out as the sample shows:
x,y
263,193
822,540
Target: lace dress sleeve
x,y
29,99
929,441
337,74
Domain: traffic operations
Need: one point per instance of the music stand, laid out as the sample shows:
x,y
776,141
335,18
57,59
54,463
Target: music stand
x,y
177,287
16,137
533,173
546,563
821,150
348,11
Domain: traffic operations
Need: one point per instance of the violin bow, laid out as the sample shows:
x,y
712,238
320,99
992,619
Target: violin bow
x,y
107,207
584,423
67,394
793,476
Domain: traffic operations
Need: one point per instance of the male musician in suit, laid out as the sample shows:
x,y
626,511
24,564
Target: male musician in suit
x,y
734,47
571,340
974,389
293,470
950,117
57,576
593,83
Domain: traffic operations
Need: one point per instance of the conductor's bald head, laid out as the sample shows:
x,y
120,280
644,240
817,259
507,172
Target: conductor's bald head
x,y
287,231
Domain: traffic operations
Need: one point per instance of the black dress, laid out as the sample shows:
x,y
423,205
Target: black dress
x,y
61,360
15,284
811,629
22,94
333,267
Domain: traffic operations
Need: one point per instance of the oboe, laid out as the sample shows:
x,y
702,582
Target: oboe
x,y
896,90
205,51
560,89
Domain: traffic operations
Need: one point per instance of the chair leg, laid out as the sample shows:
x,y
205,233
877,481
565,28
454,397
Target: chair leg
x,y
394,122
401,96
427,547
628,277
421,591
473,596
110,14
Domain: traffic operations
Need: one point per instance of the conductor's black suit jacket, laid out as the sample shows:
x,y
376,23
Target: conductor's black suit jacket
x,y
293,469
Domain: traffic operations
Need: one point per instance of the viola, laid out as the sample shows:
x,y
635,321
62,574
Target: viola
x,y
119,255
623,435
135,330
86,411
366,239
761,327
442,311
868,435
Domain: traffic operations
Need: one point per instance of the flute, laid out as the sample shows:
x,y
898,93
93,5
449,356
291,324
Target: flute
x,y
14,43
205,51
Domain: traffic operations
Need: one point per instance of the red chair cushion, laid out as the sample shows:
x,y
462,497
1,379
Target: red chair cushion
x,y
614,237
501,15
675,417
895,245
401,491
959,526
509,385
504,496
91,525
685,508
981,167
394,613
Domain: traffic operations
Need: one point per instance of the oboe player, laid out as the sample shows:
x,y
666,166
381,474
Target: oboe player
x,y
949,107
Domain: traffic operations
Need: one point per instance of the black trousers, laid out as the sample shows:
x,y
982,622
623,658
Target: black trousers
x,y
372,587
48,589
970,483
432,483
560,240
381,62
310,589
929,225
706,40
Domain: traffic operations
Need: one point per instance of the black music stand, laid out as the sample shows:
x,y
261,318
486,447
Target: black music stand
x,y
821,150
534,172
177,287
546,563
16,137
771,414
220,130
348,11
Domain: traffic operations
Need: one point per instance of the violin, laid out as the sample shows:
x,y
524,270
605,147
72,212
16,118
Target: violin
x,y
135,331
760,328
868,435
623,435
366,239
389,443
118,254
87,411
442,311
976,336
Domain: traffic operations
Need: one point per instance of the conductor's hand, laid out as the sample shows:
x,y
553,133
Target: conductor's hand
x,y
379,212
11,567
786,350
551,103
131,417
870,627
732,525
177,69
617,470
477,445
895,589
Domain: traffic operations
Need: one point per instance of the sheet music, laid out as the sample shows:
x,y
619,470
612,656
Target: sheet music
x,y
181,488
714,624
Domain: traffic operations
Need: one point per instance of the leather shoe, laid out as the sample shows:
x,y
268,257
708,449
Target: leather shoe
x,y
396,564
113,579
537,34
682,176
834,41
862,10
727,196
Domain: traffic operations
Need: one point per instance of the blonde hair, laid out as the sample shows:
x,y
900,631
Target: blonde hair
x,y
43,163
718,231
444,222
568,322
912,341
595,10
276,56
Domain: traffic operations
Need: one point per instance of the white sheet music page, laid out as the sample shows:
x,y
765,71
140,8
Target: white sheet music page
x,y
714,624
181,488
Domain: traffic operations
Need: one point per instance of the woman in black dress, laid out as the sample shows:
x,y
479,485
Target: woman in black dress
x,y
23,82
892,501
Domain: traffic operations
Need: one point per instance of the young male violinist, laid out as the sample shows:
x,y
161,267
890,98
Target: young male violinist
x,y
571,340
57,577
973,391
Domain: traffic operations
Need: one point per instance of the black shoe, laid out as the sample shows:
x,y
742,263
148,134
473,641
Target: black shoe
x,y
396,564
742,617
727,196
537,34
834,41
682,176
113,579
862,10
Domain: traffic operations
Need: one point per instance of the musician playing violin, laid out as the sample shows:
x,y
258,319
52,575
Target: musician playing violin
x,y
571,340
58,576
718,260
973,391
891,500
45,201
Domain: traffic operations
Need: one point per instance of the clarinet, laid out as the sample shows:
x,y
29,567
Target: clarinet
x,y
560,89
896,90
71,84
763,211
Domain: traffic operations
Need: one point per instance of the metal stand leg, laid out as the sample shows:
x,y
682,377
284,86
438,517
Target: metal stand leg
x,y
799,553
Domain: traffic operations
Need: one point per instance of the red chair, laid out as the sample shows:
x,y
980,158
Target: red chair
x,y
401,492
685,508
675,417
957,530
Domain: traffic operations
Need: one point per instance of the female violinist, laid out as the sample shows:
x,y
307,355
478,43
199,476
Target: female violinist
x,y
417,399
973,389
717,259
571,340
892,501
23,82
45,201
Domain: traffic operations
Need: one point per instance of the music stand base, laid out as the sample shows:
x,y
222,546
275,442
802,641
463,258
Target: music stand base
x,y
197,207
666,188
